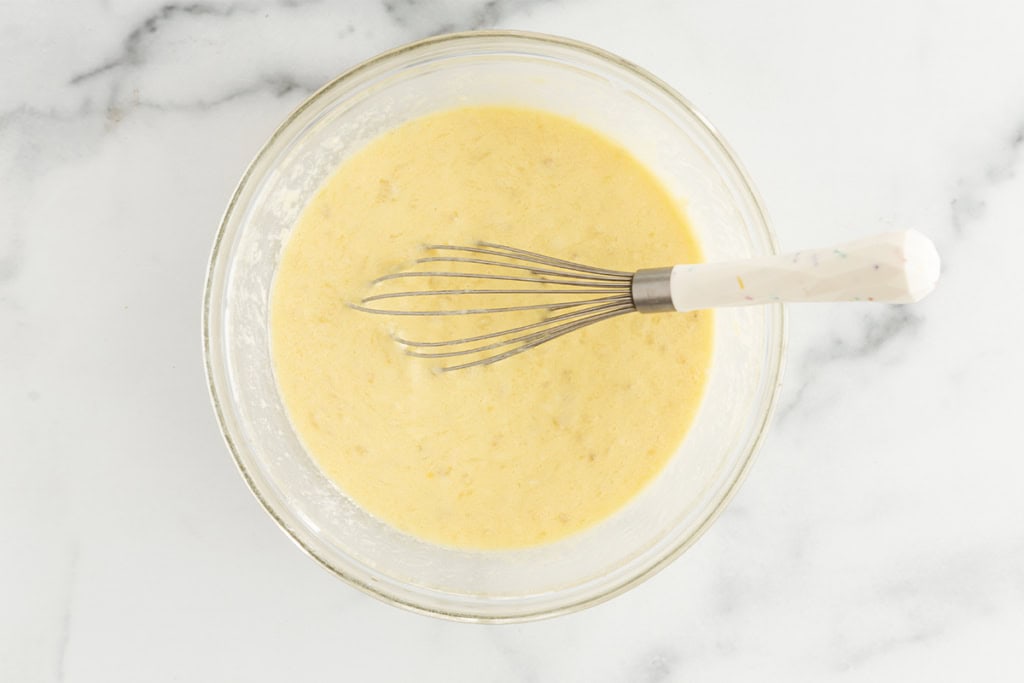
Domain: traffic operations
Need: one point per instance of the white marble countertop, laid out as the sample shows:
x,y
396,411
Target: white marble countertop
x,y
879,537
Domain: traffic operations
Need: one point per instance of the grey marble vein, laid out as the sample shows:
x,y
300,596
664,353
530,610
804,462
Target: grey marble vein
x,y
418,18
521,664
276,85
132,48
879,328
132,56
133,45
966,208
64,632
969,203
862,655
428,18
11,249
656,666
31,142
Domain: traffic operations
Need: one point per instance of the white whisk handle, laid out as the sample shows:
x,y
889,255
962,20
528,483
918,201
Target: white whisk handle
x,y
895,267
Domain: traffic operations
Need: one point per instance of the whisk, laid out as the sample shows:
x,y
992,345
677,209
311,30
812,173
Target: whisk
x,y
896,267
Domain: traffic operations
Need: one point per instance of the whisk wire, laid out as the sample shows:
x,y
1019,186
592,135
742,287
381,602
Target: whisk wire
x,y
601,294
536,342
550,333
492,249
515,330
594,277
460,292
502,309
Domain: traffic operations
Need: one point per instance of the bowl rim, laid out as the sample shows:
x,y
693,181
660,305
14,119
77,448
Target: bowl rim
x,y
214,365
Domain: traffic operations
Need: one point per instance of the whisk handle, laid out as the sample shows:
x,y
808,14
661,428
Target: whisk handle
x,y
894,267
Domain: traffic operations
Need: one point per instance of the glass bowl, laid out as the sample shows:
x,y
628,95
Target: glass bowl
x,y
606,93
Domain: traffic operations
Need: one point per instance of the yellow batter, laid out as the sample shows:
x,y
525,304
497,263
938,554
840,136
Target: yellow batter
x,y
530,449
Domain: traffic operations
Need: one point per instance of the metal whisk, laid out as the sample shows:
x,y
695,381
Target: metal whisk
x,y
899,267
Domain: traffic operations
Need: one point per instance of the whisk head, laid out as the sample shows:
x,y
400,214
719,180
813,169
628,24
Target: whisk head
x,y
494,283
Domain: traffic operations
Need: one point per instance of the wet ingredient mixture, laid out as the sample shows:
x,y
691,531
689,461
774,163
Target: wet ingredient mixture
x,y
533,448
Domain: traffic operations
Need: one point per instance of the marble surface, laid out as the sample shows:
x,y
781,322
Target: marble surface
x,y
880,536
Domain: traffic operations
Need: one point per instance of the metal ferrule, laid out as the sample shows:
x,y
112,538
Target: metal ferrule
x,y
651,290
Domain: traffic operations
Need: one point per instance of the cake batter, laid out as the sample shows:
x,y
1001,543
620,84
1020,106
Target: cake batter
x,y
525,451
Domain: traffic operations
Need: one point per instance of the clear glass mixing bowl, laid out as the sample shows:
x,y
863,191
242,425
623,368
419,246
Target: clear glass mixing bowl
x,y
605,93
